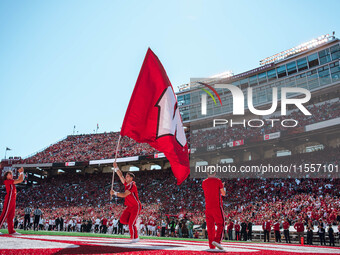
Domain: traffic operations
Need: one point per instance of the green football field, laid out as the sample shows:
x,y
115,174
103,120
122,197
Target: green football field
x,y
55,242
62,233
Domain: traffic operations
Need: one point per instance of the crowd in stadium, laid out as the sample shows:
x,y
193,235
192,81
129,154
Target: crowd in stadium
x,y
82,200
89,147
102,146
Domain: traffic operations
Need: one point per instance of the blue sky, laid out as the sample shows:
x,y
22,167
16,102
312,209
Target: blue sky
x,y
66,63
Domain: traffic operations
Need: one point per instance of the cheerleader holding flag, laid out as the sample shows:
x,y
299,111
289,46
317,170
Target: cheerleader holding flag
x,y
133,205
152,117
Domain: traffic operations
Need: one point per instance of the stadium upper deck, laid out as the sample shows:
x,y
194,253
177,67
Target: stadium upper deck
x,y
313,65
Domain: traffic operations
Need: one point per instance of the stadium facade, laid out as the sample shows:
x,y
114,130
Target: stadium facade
x,y
313,66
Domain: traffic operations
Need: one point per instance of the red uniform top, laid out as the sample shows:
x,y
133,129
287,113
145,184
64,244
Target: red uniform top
x,y
211,187
285,225
299,227
277,226
132,199
266,226
104,222
10,189
237,227
230,226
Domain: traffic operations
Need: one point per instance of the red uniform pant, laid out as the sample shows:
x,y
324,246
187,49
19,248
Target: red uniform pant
x,y
8,213
129,216
214,217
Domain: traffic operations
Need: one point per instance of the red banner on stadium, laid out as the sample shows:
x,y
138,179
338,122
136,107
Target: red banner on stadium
x,y
153,116
272,136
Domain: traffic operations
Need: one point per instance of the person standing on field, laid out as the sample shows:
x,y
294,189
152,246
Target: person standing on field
x,y
134,206
37,215
213,191
28,211
8,211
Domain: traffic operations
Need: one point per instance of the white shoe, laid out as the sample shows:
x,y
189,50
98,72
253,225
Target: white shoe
x,y
16,234
218,245
136,240
1,233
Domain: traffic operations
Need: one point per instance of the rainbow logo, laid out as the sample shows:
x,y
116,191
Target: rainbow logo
x,y
209,93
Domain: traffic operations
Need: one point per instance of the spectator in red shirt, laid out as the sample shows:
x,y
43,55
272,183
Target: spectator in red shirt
x,y
230,229
104,225
300,228
237,231
286,226
277,231
266,226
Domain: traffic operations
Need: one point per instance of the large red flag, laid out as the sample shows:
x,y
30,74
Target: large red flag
x,y
153,117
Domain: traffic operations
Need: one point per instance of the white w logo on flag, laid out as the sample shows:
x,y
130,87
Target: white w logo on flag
x,y
169,119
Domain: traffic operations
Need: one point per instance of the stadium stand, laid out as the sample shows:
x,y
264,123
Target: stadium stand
x,y
86,196
102,146
89,147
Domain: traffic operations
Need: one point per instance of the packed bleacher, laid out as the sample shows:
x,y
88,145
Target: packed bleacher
x,y
86,196
102,146
89,147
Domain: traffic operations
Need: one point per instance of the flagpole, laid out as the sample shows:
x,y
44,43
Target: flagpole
x,y
114,170
7,149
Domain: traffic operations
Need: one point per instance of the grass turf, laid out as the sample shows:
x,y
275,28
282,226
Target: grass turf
x,y
61,233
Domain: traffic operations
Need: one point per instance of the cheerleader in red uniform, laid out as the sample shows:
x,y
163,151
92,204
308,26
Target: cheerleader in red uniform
x,y
8,211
